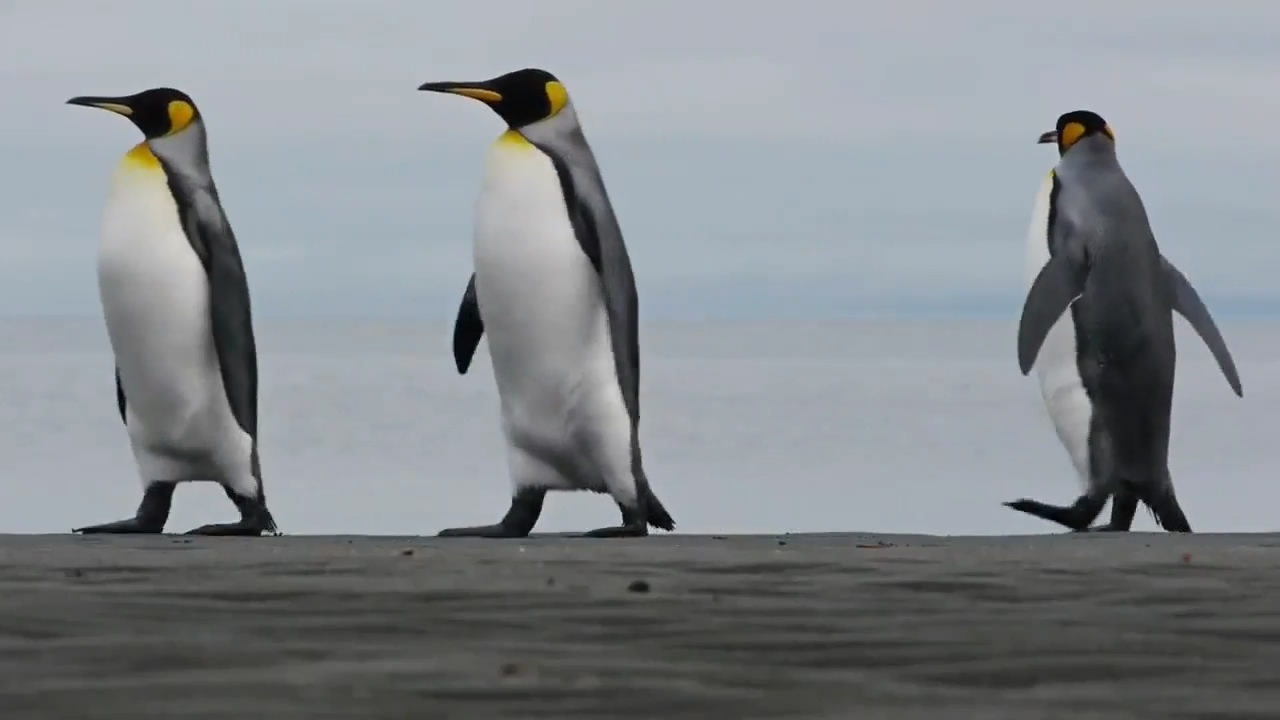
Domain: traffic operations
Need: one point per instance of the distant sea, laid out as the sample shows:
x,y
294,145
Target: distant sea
x,y
908,424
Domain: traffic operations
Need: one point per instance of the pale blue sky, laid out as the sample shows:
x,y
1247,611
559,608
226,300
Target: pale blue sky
x,y
769,158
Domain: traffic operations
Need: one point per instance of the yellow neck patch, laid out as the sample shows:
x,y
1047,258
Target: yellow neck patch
x,y
141,157
513,139
180,116
557,96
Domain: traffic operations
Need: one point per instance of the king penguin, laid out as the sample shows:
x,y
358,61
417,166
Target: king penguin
x,y
553,288
1105,268
176,304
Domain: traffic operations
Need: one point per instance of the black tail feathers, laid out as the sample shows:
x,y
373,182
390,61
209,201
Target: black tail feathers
x,y
655,514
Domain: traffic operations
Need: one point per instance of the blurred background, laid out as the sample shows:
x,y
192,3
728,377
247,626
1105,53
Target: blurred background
x,y
826,207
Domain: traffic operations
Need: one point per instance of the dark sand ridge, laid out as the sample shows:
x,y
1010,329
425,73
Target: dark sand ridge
x,y
828,626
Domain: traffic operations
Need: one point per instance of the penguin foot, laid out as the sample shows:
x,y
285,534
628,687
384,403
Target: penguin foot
x,y
526,508
634,524
255,520
132,526
484,531
640,529
1077,517
1109,527
149,519
245,528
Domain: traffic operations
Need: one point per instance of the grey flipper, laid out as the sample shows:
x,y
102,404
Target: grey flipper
x,y
468,328
1186,302
120,401
600,237
1059,283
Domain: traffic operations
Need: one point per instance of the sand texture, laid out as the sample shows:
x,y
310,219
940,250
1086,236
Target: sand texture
x,y
821,626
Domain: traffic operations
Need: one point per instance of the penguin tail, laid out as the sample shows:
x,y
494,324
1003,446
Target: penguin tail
x,y
655,514
1162,503
269,522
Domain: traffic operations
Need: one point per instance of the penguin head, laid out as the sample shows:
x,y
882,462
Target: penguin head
x,y
1074,126
521,98
158,112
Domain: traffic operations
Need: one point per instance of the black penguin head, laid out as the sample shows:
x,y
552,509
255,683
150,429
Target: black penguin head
x,y
1074,126
157,112
521,98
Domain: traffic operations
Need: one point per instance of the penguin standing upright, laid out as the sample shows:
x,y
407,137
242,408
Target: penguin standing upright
x,y
554,291
1105,267
176,304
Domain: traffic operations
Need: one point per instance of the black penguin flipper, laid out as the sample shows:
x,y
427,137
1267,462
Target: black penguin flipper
x,y
232,320
1187,303
120,400
468,328
230,312
599,235
600,238
1057,285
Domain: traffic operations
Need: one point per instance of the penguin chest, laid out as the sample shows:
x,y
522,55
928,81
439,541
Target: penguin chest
x,y
539,295
155,300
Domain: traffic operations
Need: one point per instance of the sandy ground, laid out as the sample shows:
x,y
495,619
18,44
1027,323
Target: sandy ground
x,y
829,626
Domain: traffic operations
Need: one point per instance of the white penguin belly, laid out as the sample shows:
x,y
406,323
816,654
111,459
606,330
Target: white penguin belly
x,y
1060,384
155,300
566,424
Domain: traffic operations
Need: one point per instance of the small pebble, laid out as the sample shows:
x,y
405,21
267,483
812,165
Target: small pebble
x,y
407,551
638,586
509,669
782,542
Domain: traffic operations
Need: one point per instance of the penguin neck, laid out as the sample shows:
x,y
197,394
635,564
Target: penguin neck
x,y
140,157
1093,149
512,140
185,153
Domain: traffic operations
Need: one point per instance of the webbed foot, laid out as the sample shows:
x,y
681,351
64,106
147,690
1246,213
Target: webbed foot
x,y
526,508
152,514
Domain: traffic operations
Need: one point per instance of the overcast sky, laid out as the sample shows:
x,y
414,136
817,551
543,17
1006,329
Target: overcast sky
x,y
765,158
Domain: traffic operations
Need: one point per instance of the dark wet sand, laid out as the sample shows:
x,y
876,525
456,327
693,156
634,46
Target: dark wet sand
x,y
832,626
